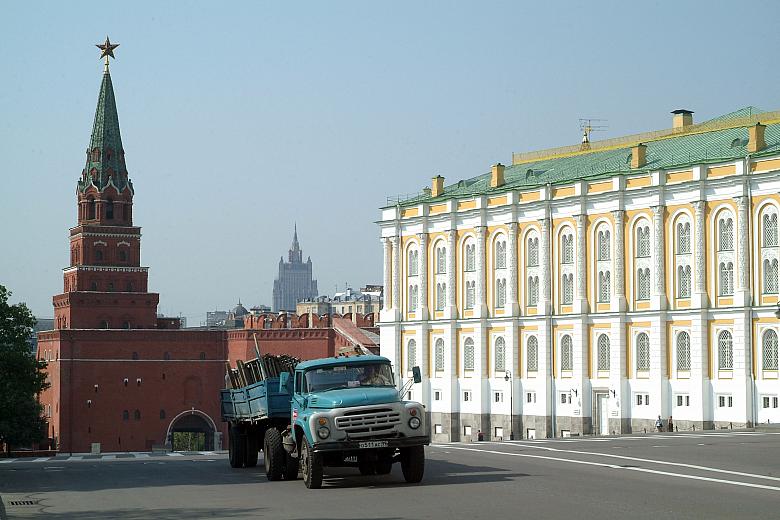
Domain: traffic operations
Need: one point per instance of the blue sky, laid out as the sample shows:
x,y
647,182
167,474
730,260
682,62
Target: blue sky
x,y
239,119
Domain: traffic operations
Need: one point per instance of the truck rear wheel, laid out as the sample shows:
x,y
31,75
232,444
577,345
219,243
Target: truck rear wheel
x,y
235,445
274,455
251,448
413,463
311,466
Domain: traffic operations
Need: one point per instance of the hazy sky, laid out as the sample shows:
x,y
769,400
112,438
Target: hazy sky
x,y
239,119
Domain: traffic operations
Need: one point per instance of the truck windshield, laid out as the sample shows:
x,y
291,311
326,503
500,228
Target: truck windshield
x,y
348,376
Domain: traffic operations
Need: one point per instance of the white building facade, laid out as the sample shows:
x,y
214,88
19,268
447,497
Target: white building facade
x,y
543,299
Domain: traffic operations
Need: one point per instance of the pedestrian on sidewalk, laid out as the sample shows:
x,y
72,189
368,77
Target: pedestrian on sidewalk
x,y
670,425
659,424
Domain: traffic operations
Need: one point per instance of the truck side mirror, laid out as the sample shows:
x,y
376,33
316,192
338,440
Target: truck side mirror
x,y
284,382
416,374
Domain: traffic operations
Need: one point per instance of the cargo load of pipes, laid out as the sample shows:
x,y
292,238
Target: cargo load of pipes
x,y
265,367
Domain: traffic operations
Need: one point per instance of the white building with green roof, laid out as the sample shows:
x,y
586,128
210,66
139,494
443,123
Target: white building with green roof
x,y
592,288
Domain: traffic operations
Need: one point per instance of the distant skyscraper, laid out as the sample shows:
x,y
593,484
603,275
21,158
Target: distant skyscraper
x,y
295,282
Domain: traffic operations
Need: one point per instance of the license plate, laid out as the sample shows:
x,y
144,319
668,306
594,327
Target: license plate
x,y
372,444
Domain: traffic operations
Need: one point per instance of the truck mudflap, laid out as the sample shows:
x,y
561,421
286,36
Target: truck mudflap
x,y
356,445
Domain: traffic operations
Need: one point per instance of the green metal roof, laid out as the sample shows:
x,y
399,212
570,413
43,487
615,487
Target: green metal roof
x,y
663,152
110,167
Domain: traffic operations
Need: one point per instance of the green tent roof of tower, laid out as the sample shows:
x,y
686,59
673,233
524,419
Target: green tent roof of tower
x,y
105,156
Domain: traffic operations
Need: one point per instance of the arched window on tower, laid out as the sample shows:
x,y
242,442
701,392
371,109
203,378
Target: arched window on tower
x,y
90,208
110,209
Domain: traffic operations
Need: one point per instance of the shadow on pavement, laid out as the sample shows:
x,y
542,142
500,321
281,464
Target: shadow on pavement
x,y
157,514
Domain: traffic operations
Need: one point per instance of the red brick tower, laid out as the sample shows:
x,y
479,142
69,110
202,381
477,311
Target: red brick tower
x,y
105,285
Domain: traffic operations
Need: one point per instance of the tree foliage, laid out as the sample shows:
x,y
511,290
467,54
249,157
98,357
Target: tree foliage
x,y
22,376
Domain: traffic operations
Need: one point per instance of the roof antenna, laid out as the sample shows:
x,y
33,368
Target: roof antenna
x,y
587,127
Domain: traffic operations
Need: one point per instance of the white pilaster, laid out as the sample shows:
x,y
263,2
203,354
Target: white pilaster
x,y
619,276
581,301
658,295
480,307
512,282
544,261
451,311
423,270
742,295
700,299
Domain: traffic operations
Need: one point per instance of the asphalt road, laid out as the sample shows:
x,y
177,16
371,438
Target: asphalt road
x,y
703,475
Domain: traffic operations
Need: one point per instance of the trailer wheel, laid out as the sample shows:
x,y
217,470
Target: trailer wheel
x,y
250,460
274,454
234,447
311,466
291,468
413,463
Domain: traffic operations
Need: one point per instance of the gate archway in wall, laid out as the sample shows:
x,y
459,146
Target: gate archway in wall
x,y
192,430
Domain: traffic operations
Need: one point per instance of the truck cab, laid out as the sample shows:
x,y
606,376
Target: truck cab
x,y
347,411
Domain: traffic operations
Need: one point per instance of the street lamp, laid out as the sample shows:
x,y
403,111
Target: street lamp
x,y
508,378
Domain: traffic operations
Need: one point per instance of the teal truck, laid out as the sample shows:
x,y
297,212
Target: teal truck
x,y
331,412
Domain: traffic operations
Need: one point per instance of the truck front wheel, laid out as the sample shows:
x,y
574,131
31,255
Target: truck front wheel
x,y
311,466
273,454
413,463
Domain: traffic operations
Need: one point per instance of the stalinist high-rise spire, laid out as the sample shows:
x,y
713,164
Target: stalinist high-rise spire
x,y
295,282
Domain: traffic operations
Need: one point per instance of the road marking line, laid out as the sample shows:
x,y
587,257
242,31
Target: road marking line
x,y
42,459
7,461
76,457
174,454
651,461
141,455
614,466
108,457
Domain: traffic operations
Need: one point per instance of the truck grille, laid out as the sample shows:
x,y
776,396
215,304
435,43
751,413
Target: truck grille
x,y
369,422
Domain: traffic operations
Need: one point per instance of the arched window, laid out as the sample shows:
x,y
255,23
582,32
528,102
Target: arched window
x,y
567,249
567,353
126,325
500,293
441,296
770,276
90,208
110,209
137,415
104,324
162,414
725,351
643,241
725,233
532,354
414,297
123,256
411,354
603,353
93,286
441,260
471,294
202,356
468,354
500,254
603,245
413,257
769,350
567,291
684,281
471,255
604,286
533,291
726,279
533,252
770,229
683,238
98,255
135,355
439,354
642,352
643,284
500,349
125,415
683,351
167,356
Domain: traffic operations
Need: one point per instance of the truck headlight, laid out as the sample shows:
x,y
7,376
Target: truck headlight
x,y
323,432
414,423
